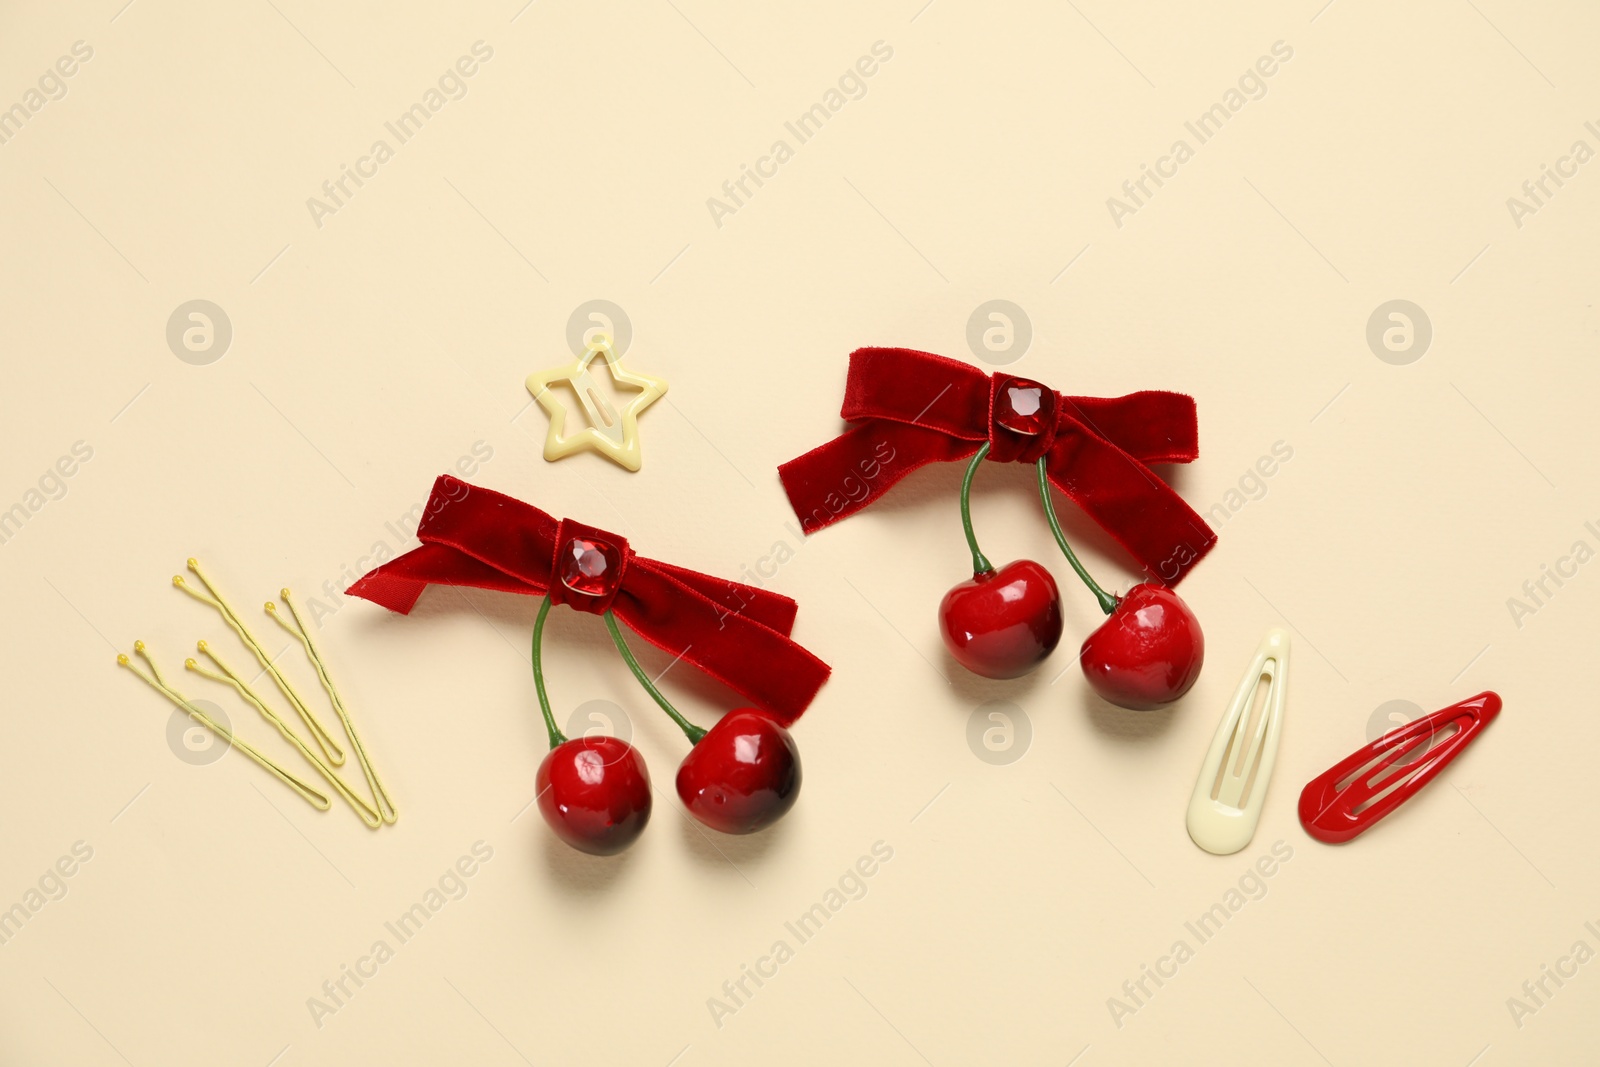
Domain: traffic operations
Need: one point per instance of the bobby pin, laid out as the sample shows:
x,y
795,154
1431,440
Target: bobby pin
x,y
380,795
228,676
325,740
311,796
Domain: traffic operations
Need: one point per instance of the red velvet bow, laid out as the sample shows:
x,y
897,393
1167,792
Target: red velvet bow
x,y
913,408
736,633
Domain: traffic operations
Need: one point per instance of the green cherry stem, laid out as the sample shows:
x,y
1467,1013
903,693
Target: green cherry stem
x,y
1108,603
690,730
556,736
980,562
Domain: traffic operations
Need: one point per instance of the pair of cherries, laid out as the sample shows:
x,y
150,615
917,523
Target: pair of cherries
x,y
1004,622
739,777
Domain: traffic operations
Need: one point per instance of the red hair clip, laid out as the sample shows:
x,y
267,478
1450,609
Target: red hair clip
x,y
742,774
909,409
1346,799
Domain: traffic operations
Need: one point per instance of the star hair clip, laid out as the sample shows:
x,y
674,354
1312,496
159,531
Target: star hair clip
x,y
610,431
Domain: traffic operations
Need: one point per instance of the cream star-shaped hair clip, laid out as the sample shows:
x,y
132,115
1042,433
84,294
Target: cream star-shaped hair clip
x,y
610,432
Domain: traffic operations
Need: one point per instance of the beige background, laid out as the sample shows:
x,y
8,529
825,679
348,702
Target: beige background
x,y
371,353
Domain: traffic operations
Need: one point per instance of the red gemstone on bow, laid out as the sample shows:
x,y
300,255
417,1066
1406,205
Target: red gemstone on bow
x,y
589,565
1019,406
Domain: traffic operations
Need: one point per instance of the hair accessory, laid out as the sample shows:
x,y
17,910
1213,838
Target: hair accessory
x,y
475,537
913,408
375,814
363,810
380,795
329,746
612,433
1232,788
594,791
159,684
1345,800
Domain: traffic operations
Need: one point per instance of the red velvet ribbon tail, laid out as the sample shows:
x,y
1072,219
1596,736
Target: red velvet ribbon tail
x,y
1152,426
918,388
397,584
1139,510
837,479
768,608
754,660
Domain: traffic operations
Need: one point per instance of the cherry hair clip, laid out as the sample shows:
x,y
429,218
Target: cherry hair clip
x,y
594,791
1346,799
914,408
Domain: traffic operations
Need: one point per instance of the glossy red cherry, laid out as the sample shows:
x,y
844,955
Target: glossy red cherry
x,y
743,775
595,794
1148,652
1002,623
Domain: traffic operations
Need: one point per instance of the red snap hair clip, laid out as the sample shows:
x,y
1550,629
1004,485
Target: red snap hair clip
x,y
1346,799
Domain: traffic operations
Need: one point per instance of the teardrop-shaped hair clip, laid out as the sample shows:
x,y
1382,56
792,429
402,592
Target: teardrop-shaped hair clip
x,y
1232,788
1346,799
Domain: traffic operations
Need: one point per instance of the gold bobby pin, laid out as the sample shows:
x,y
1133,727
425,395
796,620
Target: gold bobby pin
x,y
325,740
229,677
380,795
311,796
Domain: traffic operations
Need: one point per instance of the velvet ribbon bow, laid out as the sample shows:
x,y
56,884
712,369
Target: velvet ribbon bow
x,y
914,408
736,633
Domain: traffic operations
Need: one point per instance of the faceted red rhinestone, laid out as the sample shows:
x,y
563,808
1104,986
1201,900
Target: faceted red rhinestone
x,y
1019,406
589,566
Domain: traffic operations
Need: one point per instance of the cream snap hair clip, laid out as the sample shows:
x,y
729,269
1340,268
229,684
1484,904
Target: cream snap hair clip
x,y
1232,788
612,433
